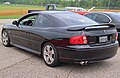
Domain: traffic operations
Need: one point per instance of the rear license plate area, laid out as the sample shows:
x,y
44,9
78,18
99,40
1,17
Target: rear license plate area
x,y
103,39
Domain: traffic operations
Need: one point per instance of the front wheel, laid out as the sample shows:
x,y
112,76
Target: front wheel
x,y
5,39
50,55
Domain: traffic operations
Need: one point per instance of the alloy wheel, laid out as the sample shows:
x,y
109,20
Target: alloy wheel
x,y
49,54
5,38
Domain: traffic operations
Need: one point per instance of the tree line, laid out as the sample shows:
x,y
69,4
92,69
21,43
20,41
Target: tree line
x,y
112,4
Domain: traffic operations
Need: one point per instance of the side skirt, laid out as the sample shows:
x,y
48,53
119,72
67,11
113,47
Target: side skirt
x,y
27,49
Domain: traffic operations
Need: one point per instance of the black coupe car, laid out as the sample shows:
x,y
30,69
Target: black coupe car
x,y
62,36
106,17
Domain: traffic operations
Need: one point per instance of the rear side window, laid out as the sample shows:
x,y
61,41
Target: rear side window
x,y
91,16
43,21
73,19
102,18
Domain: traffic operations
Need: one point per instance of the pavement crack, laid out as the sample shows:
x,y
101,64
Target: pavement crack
x,y
70,72
16,63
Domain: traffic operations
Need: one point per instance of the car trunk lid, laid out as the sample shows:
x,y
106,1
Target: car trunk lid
x,y
98,34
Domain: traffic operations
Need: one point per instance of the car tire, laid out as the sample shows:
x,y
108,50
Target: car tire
x,y
50,55
5,39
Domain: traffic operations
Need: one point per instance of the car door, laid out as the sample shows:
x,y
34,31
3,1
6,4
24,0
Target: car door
x,y
21,33
39,31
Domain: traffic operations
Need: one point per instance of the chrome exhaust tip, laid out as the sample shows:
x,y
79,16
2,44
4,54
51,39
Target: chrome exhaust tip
x,y
84,62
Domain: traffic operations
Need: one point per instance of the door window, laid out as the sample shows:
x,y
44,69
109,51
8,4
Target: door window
x,y
28,20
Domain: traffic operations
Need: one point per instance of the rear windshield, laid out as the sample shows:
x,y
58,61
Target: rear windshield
x,y
116,16
74,19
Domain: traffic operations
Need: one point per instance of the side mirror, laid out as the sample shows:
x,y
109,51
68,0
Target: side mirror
x,y
15,23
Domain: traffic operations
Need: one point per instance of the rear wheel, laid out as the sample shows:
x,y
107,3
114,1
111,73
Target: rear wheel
x,y
50,55
5,39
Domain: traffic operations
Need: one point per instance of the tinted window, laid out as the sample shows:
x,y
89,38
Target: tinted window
x,y
28,20
102,18
73,19
91,16
43,21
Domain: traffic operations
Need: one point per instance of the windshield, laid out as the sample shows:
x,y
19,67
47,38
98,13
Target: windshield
x,y
74,19
116,16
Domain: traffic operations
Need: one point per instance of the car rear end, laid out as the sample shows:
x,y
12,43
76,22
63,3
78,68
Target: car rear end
x,y
94,44
85,40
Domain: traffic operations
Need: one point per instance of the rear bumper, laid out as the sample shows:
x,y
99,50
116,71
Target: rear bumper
x,y
76,54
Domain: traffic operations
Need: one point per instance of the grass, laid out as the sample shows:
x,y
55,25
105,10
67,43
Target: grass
x,y
14,11
20,7
16,7
10,17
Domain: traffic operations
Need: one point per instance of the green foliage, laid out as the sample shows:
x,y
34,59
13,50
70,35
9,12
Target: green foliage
x,y
10,17
20,7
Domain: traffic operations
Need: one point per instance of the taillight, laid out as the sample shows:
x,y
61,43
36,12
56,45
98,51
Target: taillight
x,y
78,40
116,35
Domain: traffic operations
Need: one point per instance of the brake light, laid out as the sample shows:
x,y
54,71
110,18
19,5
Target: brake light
x,y
78,40
116,35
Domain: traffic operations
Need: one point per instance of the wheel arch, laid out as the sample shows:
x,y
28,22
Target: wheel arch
x,y
9,42
42,47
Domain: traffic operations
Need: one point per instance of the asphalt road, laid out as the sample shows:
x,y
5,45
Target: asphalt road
x,y
17,63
